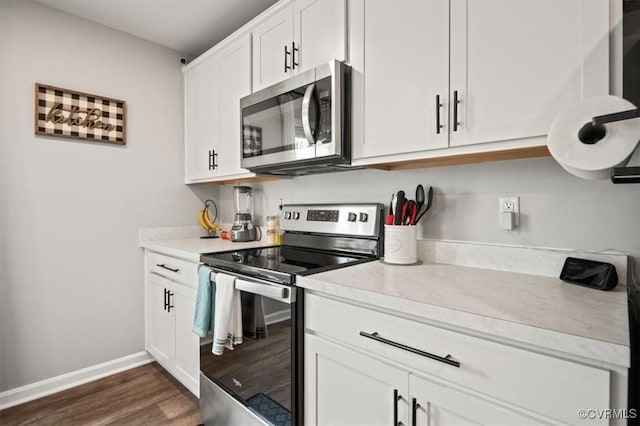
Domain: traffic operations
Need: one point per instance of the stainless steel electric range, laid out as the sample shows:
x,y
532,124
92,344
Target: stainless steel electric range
x,y
260,382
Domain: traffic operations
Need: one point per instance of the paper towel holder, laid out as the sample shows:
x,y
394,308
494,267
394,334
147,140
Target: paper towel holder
x,y
595,130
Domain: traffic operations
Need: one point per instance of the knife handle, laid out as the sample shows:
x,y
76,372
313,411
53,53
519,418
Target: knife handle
x,y
399,208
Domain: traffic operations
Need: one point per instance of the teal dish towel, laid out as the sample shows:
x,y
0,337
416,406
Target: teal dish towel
x,y
205,302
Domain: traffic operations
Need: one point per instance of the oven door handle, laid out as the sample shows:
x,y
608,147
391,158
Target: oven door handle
x,y
272,291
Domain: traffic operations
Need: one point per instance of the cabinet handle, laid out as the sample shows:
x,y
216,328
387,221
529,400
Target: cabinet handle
x,y
455,110
414,411
396,398
438,106
169,305
447,359
294,49
163,266
286,53
213,159
166,301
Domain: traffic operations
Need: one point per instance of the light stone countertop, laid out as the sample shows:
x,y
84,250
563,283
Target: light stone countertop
x,y
532,309
540,311
185,243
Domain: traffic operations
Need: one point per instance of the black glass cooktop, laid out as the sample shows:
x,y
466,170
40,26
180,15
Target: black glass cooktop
x,y
280,263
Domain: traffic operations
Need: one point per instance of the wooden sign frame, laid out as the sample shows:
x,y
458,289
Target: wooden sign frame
x,y
70,114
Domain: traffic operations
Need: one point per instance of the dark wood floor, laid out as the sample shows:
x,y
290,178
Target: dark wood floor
x,y
146,395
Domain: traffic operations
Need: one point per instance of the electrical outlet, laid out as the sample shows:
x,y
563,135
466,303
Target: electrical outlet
x,y
510,204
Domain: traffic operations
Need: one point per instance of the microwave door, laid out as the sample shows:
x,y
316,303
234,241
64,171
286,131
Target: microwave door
x,y
273,131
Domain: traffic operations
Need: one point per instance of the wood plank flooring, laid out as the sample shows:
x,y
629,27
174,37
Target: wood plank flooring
x,y
145,395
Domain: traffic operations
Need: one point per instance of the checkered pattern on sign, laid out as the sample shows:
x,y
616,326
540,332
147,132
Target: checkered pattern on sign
x,y
65,113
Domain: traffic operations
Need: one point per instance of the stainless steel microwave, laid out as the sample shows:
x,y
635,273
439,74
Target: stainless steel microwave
x,y
299,126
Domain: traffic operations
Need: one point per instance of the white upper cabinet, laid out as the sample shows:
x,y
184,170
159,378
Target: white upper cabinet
x,y
300,36
403,56
319,29
200,119
272,56
213,88
512,66
234,67
516,65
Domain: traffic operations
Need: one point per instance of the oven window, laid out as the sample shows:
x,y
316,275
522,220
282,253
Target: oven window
x,y
258,371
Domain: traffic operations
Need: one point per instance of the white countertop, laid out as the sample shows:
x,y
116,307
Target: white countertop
x,y
185,243
191,248
533,310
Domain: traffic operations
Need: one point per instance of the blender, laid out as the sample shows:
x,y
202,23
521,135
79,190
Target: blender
x,y
243,228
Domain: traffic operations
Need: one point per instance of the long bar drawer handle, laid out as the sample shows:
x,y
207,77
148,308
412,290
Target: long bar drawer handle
x,y
163,266
447,359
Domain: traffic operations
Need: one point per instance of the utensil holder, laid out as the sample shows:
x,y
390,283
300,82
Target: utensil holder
x,y
400,244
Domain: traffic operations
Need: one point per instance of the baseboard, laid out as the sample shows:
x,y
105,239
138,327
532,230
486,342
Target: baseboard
x,y
65,381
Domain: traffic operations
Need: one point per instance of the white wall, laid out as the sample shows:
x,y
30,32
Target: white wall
x,y
71,271
557,209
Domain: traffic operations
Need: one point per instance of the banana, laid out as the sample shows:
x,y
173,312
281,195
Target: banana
x,y
203,223
208,222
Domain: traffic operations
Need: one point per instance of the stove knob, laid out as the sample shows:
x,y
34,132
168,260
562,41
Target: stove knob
x,y
352,217
363,217
287,215
296,215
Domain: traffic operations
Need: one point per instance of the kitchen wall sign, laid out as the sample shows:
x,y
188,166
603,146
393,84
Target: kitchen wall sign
x,y
70,114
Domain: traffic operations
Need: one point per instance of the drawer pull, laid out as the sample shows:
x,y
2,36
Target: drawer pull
x,y
163,266
447,359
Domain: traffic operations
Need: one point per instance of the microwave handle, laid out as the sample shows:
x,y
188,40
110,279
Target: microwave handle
x,y
306,107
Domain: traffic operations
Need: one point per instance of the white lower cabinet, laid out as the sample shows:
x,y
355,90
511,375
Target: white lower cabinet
x,y
368,367
438,404
169,322
344,387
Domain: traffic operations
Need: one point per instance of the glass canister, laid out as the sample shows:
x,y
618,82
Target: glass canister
x,y
274,236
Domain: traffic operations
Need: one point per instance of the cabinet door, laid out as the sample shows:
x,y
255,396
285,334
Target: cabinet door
x,y
200,118
516,65
161,333
187,342
234,81
269,41
440,405
403,57
344,387
320,29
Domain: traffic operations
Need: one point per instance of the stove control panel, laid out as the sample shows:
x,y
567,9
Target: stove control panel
x,y
347,219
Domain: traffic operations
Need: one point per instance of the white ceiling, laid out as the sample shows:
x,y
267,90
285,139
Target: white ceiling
x,y
188,26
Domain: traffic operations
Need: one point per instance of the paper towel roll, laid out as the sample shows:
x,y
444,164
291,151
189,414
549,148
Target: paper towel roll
x,y
593,161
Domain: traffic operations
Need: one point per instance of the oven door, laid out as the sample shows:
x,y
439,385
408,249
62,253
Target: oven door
x,y
298,120
259,381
